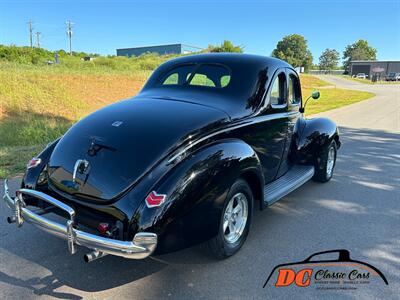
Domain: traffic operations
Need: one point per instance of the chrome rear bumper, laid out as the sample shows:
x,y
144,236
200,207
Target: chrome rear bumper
x,y
143,244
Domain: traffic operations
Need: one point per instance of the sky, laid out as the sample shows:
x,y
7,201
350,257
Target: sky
x,y
103,26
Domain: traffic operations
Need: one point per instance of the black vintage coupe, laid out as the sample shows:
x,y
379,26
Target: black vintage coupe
x,y
209,139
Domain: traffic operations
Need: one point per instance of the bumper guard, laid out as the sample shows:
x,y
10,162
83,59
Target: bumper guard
x,y
143,244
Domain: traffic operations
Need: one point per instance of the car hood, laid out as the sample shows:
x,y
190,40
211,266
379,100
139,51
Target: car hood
x,y
115,146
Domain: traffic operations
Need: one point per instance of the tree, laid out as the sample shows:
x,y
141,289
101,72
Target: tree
x,y
293,49
329,59
360,50
226,46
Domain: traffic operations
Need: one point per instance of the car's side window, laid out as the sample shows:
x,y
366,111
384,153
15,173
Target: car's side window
x,y
277,94
294,90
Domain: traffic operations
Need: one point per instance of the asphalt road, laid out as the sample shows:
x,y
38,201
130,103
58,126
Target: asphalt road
x,y
359,210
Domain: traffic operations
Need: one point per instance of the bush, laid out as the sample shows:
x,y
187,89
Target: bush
x,y
35,59
28,55
24,54
36,56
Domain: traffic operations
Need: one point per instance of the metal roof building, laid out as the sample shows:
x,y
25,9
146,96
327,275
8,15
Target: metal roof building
x,y
372,67
159,49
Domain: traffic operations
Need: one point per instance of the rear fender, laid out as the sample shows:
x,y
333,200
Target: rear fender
x,y
196,190
29,181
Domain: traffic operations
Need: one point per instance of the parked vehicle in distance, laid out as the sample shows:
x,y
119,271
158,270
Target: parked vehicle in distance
x,y
361,76
393,76
209,139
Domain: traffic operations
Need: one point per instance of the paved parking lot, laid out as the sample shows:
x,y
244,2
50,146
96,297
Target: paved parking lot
x,y
358,210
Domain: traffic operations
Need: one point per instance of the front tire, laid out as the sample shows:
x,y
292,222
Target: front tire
x,y
235,221
325,163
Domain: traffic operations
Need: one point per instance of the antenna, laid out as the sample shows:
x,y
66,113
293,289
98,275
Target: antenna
x,y
69,34
30,33
38,39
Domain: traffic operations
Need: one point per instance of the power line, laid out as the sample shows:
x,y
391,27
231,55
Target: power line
x,y
30,32
69,34
38,38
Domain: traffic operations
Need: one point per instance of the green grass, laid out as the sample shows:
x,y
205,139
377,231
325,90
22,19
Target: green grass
x,y
331,96
312,82
38,103
367,81
14,159
335,98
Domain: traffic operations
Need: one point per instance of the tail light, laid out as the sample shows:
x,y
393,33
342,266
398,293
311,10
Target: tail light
x,y
155,200
103,228
34,162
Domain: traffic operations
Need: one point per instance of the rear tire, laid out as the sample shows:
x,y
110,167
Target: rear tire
x,y
235,221
325,163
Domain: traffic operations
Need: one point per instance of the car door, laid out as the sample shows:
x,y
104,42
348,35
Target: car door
x,y
293,114
275,126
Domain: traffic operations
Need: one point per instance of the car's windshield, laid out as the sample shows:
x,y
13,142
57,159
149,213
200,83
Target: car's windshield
x,y
208,75
392,74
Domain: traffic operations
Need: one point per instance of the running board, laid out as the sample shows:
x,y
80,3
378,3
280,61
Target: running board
x,y
293,179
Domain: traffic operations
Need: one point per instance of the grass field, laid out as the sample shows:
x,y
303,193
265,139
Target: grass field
x,y
39,103
331,97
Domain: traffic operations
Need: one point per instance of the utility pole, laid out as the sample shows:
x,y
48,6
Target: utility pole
x,y
38,38
69,34
30,32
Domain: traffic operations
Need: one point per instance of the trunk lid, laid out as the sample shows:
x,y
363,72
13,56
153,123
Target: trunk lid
x,y
113,147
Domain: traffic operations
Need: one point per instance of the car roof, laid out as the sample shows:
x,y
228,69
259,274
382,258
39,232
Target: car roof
x,y
229,58
249,75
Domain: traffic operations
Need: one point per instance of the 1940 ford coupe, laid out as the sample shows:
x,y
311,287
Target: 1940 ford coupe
x,y
210,138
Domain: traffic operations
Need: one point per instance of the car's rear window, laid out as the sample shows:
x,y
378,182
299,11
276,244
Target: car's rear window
x,y
208,75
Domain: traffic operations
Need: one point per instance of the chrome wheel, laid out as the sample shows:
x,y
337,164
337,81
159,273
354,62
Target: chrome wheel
x,y
235,218
330,162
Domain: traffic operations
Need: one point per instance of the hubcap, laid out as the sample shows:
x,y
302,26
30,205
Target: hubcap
x,y
330,162
235,218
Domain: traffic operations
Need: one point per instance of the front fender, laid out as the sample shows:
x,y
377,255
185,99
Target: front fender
x,y
196,190
311,136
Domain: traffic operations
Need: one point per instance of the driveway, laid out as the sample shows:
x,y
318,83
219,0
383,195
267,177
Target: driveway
x,y
381,112
359,210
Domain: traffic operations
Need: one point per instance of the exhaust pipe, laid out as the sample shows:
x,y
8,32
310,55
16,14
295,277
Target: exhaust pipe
x,y
11,220
93,256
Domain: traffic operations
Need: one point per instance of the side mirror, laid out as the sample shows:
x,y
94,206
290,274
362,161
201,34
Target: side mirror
x,y
315,95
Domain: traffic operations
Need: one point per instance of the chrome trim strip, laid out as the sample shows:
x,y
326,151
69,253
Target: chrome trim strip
x,y
252,121
75,170
143,244
77,165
